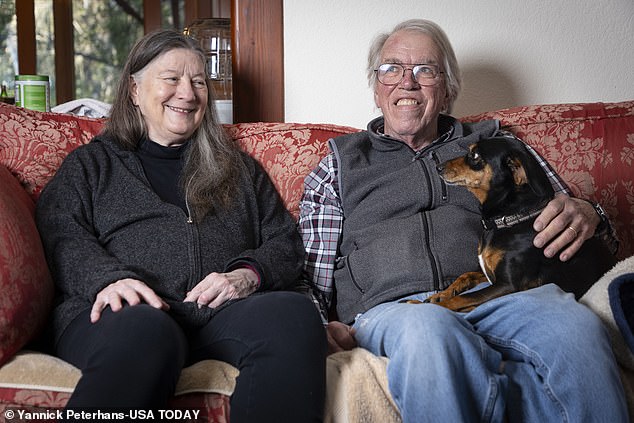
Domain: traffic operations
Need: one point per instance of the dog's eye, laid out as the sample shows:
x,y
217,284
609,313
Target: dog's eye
x,y
475,160
474,157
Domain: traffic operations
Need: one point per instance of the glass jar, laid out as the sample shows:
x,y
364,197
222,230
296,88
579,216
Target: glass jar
x,y
214,35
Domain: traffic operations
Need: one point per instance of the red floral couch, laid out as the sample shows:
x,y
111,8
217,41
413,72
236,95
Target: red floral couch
x,y
590,145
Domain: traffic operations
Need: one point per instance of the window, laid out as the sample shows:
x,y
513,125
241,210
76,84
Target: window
x,y
94,38
103,32
257,47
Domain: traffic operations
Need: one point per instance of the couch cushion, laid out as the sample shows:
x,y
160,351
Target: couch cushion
x,y
33,144
287,151
25,282
38,371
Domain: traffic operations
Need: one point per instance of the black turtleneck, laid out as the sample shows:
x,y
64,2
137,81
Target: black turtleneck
x,y
163,167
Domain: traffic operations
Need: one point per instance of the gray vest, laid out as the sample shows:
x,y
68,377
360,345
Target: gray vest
x,y
405,230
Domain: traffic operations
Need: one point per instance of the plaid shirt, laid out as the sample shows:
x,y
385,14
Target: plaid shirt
x,y
321,223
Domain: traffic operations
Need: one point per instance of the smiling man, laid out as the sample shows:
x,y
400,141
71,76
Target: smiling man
x,y
380,225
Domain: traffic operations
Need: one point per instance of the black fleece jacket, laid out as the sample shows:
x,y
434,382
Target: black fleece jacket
x,y
101,221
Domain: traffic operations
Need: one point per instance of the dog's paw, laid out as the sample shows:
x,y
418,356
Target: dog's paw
x,y
440,297
410,302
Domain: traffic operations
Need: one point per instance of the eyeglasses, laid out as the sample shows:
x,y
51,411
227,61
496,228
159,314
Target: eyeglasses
x,y
393,73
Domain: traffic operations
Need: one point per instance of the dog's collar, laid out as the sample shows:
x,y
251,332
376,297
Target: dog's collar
x,y
511,220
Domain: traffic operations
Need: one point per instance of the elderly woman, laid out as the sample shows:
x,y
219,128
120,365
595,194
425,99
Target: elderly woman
x,y
379,225
169,246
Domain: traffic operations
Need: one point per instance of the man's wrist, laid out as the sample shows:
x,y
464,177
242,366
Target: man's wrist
x,y
604,222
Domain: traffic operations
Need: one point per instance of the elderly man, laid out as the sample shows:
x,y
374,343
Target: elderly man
x,y
379,225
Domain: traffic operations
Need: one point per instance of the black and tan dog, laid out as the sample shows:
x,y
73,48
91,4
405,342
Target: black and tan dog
x,y
513,189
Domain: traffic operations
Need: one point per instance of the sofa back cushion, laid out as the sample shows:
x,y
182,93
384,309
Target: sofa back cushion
x,y
288,152
33,144
591,145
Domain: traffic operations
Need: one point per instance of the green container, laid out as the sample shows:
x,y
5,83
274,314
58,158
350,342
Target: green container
x,y
33,92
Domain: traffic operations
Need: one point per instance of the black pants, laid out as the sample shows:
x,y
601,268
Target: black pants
x,y
133,358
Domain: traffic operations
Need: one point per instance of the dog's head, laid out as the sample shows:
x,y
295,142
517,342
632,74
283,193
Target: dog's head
x,y
500,172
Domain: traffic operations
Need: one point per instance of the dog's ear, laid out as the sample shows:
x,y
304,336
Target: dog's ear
x,y
517,170
526,170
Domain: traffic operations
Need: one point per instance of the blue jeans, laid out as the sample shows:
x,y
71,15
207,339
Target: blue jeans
x,y
532,356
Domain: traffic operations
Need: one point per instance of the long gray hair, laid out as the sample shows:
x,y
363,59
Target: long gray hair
x,y
450,66
213,161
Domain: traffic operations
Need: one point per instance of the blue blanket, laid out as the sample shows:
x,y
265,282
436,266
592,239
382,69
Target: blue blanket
x,y
621,296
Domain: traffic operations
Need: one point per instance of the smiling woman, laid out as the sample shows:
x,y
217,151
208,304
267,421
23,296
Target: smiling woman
x,y
180,250
171,93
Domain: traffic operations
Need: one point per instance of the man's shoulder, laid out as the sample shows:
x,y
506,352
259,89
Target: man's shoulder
x,y
484,127
348,142
352,137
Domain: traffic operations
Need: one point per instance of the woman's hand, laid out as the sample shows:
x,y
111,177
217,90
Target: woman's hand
x,y
566,222
340,337
217,288
132,291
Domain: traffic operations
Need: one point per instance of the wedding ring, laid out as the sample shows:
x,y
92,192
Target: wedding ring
x,y
573,230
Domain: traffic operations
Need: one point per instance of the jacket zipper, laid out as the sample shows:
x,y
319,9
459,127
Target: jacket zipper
x,y
424,222
189,212
195,260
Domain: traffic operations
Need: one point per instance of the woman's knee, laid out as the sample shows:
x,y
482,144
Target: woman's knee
x,y
282,306
143,330
291,318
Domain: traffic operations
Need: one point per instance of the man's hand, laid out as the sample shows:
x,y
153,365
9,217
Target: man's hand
x,y
132,291
566,222
217,288
340,337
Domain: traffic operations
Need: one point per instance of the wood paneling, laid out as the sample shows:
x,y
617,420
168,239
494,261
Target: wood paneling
x,y
197,9
151,15
25,16
64,51
258,60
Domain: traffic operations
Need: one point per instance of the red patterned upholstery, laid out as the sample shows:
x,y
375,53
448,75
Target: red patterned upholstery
x,y
33,144
288,152
590,145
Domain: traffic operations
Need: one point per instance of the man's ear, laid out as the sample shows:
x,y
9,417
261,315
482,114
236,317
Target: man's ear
x,y
134,91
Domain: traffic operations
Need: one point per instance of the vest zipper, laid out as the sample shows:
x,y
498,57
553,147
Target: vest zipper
x,y
432,257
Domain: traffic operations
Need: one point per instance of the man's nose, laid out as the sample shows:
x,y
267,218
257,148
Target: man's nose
x,y
409,80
